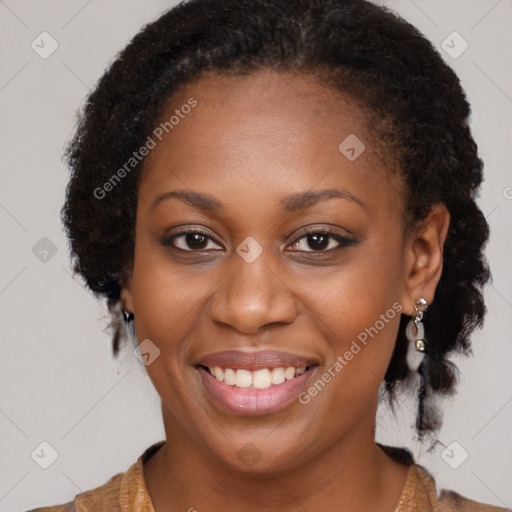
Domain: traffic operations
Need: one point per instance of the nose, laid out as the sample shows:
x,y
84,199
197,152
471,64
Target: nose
x,y
252,295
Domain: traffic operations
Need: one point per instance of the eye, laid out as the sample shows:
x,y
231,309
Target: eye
x,y
191,240
322,240
313,240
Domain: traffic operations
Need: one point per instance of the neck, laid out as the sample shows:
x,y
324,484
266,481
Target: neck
x,y
352,474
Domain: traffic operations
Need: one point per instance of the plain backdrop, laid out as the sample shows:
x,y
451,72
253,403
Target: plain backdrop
x,y
59,382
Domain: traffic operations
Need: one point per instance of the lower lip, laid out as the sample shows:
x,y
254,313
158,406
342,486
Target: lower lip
x,y
255,401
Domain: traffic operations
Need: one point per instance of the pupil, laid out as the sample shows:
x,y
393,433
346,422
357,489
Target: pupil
x,y
319,241
195,239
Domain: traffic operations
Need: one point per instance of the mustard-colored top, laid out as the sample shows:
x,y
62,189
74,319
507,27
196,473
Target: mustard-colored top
x,y
127,492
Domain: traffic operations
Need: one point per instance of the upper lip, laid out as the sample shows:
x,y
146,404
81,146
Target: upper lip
x,y
237,359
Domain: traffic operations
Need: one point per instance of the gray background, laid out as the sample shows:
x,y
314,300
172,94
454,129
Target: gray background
x,y
59,382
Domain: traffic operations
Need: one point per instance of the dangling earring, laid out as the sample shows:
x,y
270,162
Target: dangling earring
x,y
415,333
130,327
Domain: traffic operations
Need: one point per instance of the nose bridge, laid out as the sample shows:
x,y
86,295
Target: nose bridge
x,y
252,295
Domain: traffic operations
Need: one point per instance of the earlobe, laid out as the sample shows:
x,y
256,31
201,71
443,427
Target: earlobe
x,y
424,257
126,294
126,300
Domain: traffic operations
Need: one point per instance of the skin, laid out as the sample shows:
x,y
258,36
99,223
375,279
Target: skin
x,y
249,142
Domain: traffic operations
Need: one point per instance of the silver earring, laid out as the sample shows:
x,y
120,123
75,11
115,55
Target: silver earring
x,y
130,327
415,332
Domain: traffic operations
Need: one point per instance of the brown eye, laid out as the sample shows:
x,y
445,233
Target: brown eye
x,y
191,241
322,241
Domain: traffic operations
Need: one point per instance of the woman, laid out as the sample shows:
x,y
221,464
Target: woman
x,y
277,199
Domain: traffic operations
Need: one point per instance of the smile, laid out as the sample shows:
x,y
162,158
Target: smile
x,y
259,379
263,391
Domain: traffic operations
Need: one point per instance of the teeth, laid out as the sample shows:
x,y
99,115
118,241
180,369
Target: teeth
x,y
261,379
229,376
218,373
258,379
289,373
277,375
243,378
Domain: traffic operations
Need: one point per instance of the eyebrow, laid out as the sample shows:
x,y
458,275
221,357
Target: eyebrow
x,y
291,202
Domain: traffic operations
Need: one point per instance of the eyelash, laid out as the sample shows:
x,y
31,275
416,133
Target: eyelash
x,y
344,241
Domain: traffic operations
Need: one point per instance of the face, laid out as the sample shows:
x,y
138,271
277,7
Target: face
x,y
269,254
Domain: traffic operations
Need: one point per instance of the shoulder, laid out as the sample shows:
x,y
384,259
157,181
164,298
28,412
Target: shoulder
x,y
119,494
450,500
421,493
447,500
67,507
100,497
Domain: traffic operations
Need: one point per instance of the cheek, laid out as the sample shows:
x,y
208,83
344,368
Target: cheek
x,y
167,296
360,332
358,313
354,297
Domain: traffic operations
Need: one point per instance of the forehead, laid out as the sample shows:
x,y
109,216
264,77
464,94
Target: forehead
x,y
266,129
267,103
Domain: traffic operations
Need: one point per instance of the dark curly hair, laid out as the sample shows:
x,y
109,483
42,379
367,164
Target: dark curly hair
x,y
363,50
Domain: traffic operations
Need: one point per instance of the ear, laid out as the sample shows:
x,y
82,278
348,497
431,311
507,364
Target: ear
x,y
126,291
424,258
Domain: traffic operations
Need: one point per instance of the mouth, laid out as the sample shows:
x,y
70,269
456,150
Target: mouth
x,y
259,379
254,383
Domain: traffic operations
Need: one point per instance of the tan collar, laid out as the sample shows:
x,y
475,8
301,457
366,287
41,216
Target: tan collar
x,y
419,492
127,492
